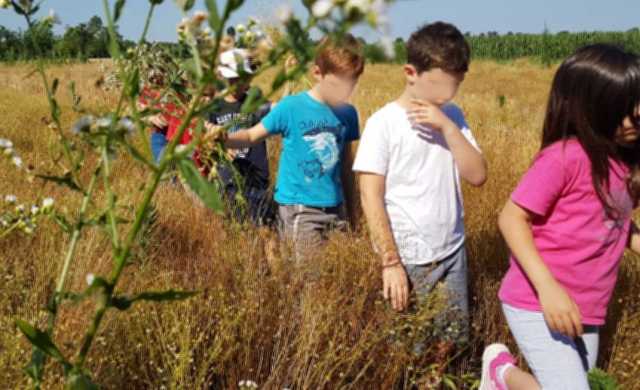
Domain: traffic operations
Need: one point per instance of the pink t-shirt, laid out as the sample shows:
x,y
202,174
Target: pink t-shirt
x,y
577,241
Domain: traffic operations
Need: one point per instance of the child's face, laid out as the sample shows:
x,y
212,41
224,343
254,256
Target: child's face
x,y
436,86
335,89
628,133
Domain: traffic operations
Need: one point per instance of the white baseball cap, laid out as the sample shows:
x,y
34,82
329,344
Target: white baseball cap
x,y
233,62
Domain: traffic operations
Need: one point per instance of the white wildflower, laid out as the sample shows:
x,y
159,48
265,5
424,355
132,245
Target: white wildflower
x,y
104,122
90,279
10,199
52,17
128,125
378,6
47,204
20,208
5,143
322,8
284,13
181,148
35,210
83,124
360,5
199,17
240,28
17,161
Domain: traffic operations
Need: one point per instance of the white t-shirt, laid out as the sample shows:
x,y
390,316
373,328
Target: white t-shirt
x,y
423,197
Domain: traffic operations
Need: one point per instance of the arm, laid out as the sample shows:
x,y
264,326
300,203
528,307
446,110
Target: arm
x,y
394,277
470,162
239,139
348,182
560,311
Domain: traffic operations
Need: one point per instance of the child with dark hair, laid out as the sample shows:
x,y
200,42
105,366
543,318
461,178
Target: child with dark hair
x,y
245,180
568,223
410,160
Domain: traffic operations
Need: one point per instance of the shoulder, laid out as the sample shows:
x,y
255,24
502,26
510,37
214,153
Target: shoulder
x,y
346,112
455,113
388,113
565,150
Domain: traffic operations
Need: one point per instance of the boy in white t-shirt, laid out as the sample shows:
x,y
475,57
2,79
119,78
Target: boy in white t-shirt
x,y
411,156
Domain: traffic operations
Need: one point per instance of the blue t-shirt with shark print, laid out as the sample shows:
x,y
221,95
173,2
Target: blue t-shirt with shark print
x,y
314,136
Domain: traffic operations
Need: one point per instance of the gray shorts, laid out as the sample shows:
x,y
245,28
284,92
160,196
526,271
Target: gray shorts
x,y
306,228
557,361
453,322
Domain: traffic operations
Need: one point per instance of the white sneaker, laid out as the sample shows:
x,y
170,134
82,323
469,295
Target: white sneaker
x,y
494,356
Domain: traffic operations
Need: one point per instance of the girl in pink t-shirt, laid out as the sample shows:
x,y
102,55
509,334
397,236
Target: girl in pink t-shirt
x,y
568,223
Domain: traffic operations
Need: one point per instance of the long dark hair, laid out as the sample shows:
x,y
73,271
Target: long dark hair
x,y
593,91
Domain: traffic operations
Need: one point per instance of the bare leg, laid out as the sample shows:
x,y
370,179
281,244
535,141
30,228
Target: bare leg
x,y
517,379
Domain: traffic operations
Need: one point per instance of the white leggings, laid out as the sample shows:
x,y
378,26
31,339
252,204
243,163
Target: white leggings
x,y
557,361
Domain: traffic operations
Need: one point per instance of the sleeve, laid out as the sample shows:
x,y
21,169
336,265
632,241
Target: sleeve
x,y
457,116
373,151
276,121
543,184
353,130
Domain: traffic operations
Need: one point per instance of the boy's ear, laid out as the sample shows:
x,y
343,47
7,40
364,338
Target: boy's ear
x,y
410,72
316,73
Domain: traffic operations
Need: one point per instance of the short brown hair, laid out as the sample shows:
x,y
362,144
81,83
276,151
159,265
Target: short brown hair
x,y
438,45
341,56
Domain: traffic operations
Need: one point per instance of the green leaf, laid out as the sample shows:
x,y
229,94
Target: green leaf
x,y
77,380
185,5
17,8
65,180
35,367
233,5
448,382
117,12
279,80
62,222
214,17
54,86
133,88
40,339
206,191
123,302
254,100
600,380
55,111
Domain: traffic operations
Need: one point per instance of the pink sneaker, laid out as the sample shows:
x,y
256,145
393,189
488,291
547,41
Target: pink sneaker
x,y
494,356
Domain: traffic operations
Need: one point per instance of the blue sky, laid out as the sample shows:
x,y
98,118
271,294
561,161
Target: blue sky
x,y
405,15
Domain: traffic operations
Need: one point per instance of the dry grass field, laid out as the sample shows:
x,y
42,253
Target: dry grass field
x,y
257,320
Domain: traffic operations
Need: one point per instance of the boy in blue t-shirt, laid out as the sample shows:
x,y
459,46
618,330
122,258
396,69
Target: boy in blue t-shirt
x,y
317,128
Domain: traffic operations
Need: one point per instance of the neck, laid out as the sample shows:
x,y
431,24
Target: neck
x,y
231,98
315,93
404,100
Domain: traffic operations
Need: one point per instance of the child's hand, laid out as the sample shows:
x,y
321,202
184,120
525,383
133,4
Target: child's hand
x,y
428,114
560,311
157,121
214,133
395,286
